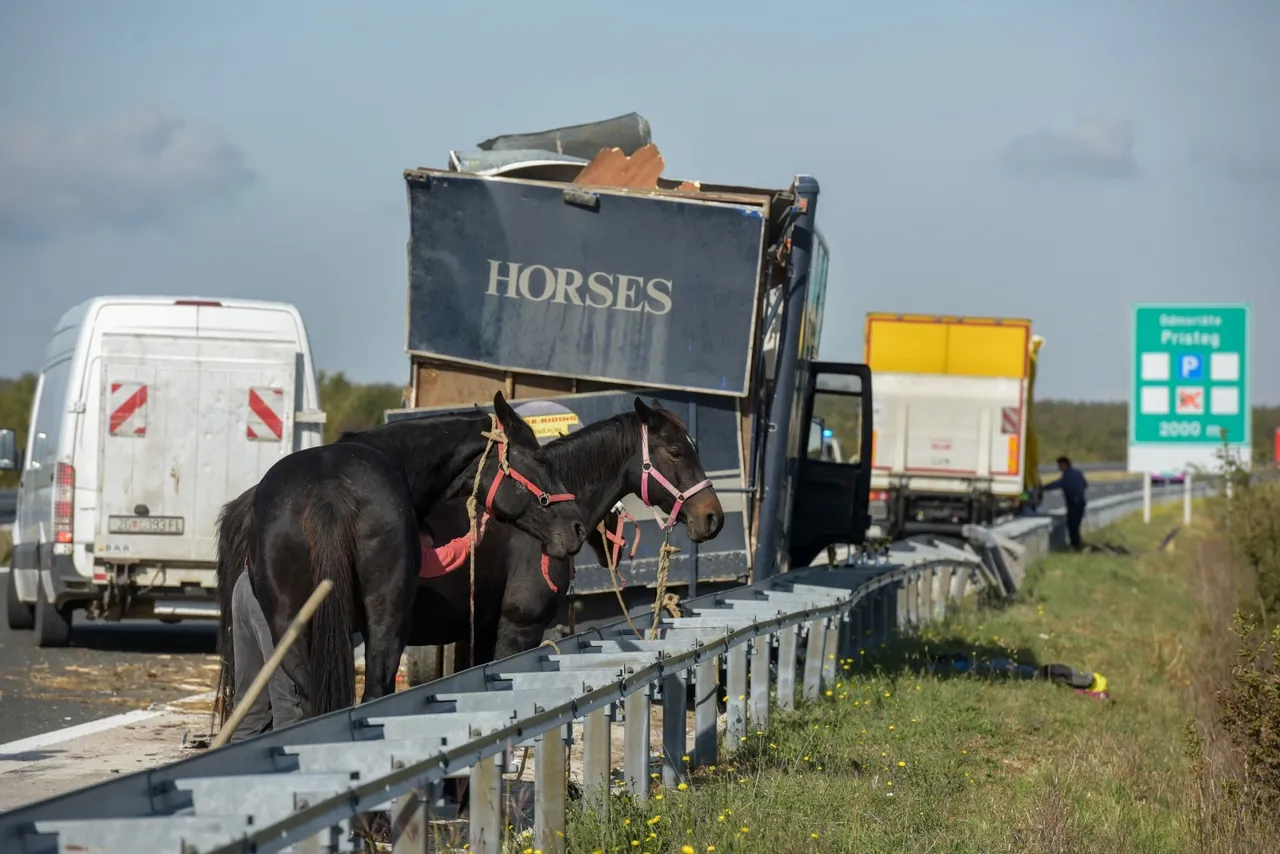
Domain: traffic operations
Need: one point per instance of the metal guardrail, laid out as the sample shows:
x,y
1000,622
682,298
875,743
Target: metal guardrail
x,y
299,788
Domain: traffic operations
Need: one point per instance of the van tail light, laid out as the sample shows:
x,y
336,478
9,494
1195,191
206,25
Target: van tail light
x,y
64,489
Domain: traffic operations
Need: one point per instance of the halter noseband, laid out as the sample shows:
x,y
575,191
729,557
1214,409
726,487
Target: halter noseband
x,y
646,469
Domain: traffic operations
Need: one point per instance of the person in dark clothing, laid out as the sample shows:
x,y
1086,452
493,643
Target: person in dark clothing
x,y
279,705
1073,484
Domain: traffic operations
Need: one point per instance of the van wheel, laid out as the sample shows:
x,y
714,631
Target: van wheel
x,y
53,624
21,615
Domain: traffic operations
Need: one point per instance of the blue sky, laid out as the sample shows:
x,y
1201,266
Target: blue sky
x,y
1050,160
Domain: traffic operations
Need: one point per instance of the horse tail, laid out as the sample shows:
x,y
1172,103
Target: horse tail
x,y
235,530
329,524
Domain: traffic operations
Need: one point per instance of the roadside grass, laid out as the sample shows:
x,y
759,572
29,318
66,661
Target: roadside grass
x,y
6,546
895,759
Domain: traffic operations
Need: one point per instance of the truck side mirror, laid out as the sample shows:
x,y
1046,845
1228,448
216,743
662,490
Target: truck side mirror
x,y
8,450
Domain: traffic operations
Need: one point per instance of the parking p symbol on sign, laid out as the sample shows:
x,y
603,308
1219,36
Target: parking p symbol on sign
x,y
1190,367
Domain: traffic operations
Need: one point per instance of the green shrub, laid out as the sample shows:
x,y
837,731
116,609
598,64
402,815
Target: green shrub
x,y
1251,712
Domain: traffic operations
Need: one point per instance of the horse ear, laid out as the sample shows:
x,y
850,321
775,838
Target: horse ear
x,y
647,415
517,429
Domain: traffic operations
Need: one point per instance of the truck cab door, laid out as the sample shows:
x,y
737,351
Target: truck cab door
x,y
833,488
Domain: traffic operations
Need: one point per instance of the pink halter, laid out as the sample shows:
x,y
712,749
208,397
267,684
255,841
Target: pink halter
x,y
646,469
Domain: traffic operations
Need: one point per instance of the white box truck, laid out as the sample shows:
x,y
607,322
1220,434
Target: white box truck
x,y
951,442
150,413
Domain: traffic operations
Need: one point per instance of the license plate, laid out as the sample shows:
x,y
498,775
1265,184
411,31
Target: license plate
x,y
145,525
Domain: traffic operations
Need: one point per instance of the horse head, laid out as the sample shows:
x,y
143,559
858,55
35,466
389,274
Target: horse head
x,y
526,493
682,489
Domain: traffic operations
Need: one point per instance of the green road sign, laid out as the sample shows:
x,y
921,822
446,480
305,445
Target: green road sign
x,y
1189,384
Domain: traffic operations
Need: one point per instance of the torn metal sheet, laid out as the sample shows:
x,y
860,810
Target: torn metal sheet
x,y
629,132
612,168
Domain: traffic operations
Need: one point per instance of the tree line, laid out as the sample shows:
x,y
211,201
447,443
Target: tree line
x,y
1084,431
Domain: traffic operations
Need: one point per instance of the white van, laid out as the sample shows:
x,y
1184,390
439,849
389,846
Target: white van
x,y
150,413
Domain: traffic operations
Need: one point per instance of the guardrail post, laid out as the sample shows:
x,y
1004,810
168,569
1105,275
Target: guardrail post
x,y
830,649
636,744
1186,499
735,724
913,600
901,590
925,586
322,842
849,628
675,701
761,649
549,781
938,591
705,712
813,659
485,834
787,667
596,745
409,817
879,623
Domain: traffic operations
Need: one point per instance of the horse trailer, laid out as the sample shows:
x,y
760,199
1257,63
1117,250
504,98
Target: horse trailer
x,y
150,414
572,299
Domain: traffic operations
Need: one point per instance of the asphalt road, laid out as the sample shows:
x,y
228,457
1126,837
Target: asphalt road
x,y
110,668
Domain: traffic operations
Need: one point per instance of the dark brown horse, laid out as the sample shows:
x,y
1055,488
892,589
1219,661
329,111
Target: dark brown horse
x,y
646,453
349,512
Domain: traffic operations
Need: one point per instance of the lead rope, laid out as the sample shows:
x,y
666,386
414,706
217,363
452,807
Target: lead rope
x,y
662,599
612,558
494,434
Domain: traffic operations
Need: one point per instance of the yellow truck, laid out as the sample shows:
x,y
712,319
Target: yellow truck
x,y
952,442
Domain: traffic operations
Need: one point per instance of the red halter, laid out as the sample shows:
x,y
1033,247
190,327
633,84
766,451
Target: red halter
x,y
545,498
646,469
504,468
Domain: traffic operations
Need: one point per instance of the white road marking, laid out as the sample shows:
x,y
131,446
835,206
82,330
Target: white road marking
x,y
57,736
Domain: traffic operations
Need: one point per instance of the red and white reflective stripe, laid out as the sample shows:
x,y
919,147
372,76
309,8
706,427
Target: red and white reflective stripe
x,y
1009,420
128,409
646,469
266,415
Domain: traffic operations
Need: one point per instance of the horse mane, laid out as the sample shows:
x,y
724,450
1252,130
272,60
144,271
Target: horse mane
x,y
396,436
420,445
578,457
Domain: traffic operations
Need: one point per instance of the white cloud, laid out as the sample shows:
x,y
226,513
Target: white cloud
x,y
1098,148
137,168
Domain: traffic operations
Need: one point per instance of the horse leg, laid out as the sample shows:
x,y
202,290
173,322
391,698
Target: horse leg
x,y
516,636
388,583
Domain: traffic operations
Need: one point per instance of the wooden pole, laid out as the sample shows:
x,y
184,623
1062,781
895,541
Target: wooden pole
x,y
264,675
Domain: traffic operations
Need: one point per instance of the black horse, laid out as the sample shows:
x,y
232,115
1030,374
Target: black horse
x,y
519,589
349,512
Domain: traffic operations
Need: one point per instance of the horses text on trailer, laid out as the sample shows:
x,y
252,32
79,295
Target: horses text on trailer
x,y
572,299
150,414
952,441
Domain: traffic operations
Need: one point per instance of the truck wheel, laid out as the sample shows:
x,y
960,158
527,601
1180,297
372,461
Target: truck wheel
x,y
423,664
52,624
21,615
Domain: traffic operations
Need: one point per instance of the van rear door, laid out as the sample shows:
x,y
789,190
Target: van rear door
x,y
188,424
